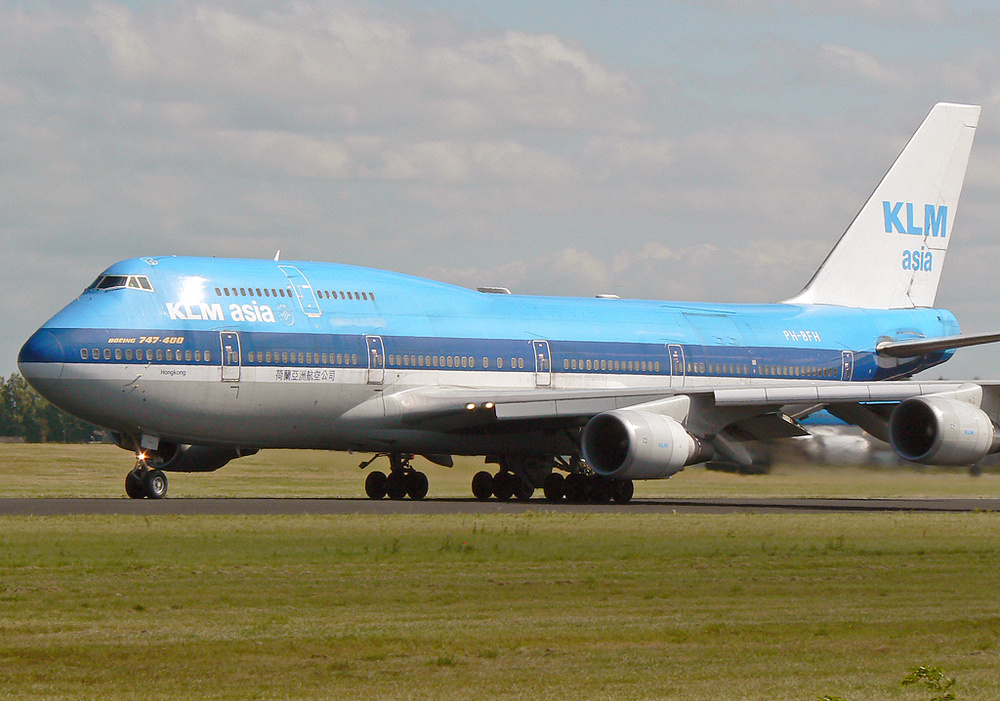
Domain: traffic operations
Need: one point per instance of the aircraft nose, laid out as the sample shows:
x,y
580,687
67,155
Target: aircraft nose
x,y
41,361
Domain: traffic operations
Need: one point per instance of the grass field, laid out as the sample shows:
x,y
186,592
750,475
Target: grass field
x,y
541,605
99,471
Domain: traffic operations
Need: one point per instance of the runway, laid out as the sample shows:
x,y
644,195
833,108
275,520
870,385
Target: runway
x,y
278,507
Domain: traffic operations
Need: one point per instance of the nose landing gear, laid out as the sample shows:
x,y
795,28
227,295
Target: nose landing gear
x,y
144,482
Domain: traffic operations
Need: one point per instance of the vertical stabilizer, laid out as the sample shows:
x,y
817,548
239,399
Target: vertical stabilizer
x,y
891,255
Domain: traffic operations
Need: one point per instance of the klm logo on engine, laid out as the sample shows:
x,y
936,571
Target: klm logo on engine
x,y
901,218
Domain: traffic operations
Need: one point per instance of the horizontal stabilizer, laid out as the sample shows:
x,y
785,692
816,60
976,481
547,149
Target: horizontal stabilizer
x,y
918,346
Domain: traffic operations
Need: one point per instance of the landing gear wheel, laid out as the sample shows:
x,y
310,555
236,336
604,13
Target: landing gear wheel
x,y
154,484
375,485
553,488
503,486
522,490
482,485
416,485
133,485
623,491
601,489
395,485
575,488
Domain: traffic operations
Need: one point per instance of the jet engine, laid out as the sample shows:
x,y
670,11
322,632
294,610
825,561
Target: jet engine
x,y
632,444
941,431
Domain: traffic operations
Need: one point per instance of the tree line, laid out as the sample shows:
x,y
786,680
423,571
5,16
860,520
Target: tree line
x,y
25,414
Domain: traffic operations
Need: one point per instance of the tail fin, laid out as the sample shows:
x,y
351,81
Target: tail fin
x,y
891,255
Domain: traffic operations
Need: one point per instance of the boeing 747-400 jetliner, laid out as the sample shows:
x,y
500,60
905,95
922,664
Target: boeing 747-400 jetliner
x,y
192,362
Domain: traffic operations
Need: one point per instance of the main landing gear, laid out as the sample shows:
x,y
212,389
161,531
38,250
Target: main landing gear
x,y
145,482
518,477
576,488
402,480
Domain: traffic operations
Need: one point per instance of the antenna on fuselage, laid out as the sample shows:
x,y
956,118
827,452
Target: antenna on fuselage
x,y
277,255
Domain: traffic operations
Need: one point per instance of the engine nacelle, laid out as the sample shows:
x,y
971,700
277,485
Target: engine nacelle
x,y
941,431
631,444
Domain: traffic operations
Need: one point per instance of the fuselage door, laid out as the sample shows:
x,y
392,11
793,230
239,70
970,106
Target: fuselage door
x,y
847,366
303,290
376,360
230,356
543,363
677,369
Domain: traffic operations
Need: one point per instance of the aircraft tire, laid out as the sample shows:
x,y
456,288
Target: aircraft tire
x,y
503,486
482,485
553,488
522,490
375,485
600,489
133,485
575,488
416,485
623,491
395,486
154,484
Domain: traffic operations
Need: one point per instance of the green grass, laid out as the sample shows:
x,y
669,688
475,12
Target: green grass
x,y
99,471
540,605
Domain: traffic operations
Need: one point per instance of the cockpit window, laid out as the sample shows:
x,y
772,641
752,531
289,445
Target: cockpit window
x,y
116,282
110,282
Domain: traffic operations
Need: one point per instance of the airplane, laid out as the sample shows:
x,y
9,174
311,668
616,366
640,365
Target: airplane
x,y
193,362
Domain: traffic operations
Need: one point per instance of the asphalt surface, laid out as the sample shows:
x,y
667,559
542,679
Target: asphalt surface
x,y
264,506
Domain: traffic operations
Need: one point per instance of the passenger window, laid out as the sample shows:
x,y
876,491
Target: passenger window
x,y
284,357
197,356
170,354
499,363
371,296
149,356
486,363
208,356
84,354
159,354
128,354
364,296
107,354
259,293
187,356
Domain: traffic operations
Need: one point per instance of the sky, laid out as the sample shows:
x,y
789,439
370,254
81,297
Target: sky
x,y
681,150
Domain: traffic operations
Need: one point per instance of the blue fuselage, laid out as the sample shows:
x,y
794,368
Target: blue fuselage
x,y
283,335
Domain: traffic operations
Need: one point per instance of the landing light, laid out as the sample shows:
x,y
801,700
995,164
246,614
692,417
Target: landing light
x,y
470,407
